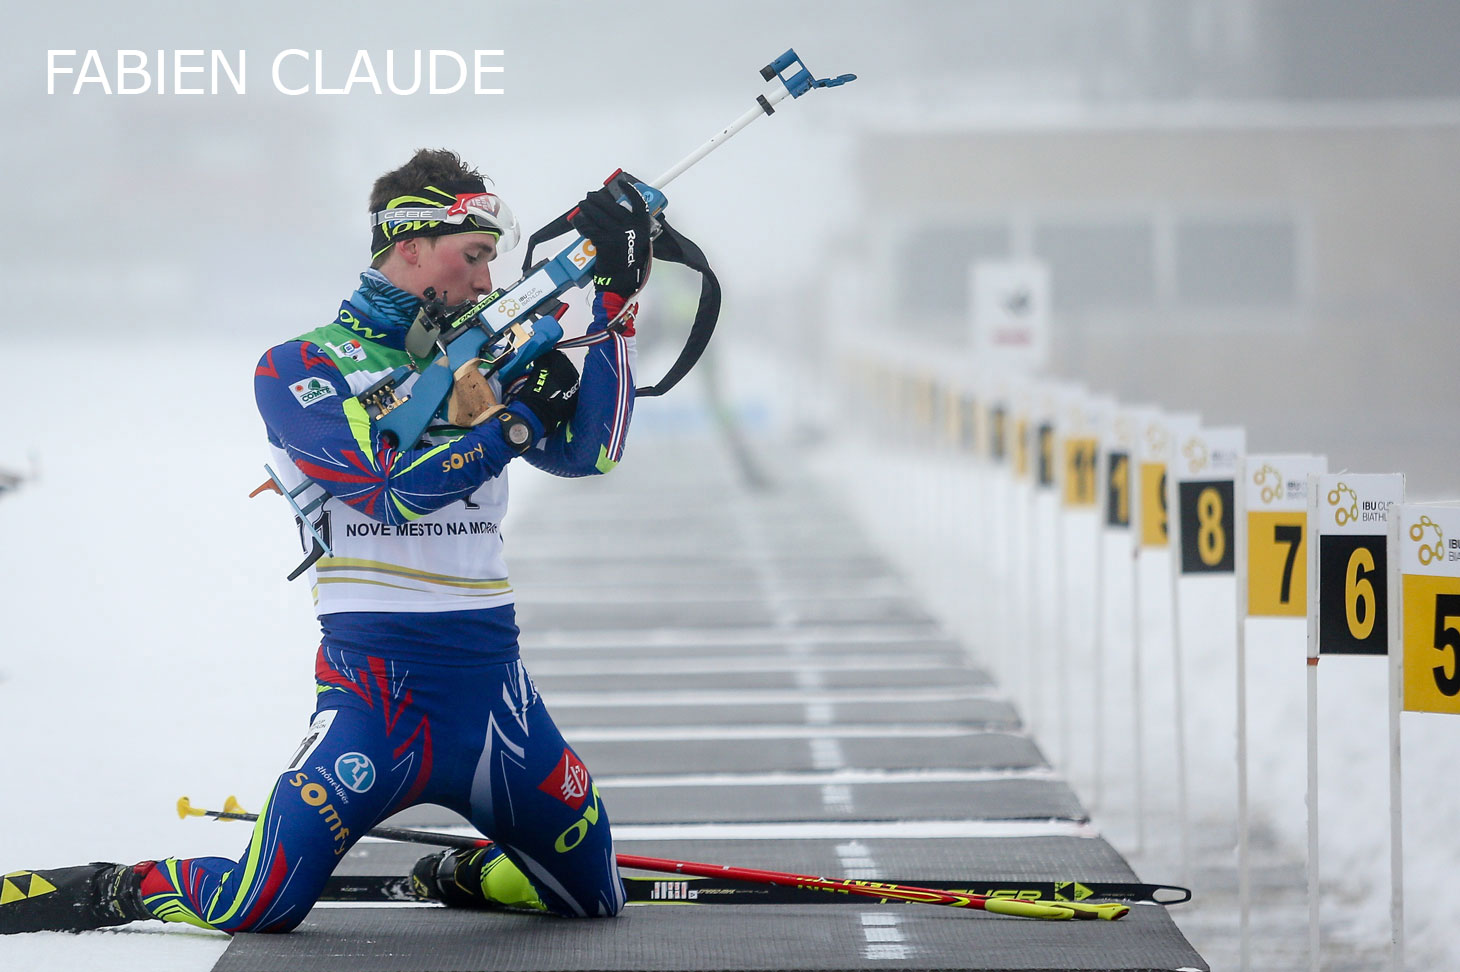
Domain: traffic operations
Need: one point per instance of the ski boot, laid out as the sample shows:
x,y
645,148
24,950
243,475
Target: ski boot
x,y
481,878
71,899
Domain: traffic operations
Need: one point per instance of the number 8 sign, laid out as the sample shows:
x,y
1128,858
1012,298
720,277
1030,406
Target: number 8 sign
x,y
1429,562
1206,464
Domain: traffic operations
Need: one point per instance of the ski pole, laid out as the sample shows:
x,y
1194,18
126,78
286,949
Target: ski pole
x,y
1014,907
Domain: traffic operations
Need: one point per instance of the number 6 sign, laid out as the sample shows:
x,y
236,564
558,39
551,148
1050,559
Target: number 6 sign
x,y
1349,517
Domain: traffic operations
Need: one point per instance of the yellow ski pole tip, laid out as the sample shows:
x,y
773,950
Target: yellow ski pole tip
x,y
231,805
184,807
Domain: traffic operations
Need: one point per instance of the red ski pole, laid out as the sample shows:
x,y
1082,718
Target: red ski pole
x,y
1015,907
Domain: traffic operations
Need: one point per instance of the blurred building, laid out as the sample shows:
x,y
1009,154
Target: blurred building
x,y
1290,267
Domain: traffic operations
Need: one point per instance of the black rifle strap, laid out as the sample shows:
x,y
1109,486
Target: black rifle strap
x,y
555,228
674,247
671,246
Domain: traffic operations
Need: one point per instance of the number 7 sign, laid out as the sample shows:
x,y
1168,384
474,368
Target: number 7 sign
x,y
1276,491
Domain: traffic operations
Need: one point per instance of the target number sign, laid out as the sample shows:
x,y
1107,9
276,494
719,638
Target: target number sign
x,y
1206,464
1349,516
998,421
1021,447
1153,454
1153,504
1275,488
1117,490
1429,562
1079,481
1044,454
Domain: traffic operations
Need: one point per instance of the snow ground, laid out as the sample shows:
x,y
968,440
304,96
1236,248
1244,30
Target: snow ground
x,y
949,528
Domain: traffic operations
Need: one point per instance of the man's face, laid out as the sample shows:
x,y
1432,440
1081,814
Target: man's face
x,y
457,265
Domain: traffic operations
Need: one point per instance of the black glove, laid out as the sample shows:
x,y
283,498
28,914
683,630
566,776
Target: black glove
x,y
549,389
621,237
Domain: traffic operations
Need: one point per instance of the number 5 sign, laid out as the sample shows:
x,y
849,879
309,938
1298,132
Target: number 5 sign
x,y
1429,563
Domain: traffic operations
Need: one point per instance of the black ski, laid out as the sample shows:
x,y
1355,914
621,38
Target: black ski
x,y
66,899
647,890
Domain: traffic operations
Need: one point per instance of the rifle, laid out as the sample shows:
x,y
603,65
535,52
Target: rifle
x,y
509,328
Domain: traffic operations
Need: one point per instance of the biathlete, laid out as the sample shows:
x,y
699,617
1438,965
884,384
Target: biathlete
x,y
421,696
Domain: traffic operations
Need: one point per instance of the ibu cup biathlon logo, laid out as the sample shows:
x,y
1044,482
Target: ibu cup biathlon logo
x,y
1430,551
1345,504
1196,454
1271,482
355,771
1156,439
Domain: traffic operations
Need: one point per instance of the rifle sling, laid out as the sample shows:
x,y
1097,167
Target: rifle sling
x,y
671,246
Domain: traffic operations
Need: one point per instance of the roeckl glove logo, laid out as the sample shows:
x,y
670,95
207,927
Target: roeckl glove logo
x,y
629,238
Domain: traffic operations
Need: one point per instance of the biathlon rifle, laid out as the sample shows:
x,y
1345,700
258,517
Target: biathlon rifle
x,y
510,328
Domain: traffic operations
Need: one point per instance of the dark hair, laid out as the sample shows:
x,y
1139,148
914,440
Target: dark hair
x,y
427,167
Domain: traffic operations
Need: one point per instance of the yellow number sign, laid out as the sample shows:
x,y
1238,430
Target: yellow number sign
x,y
1429,555
1431,643
1021,448
1080,471
1277,564
1153,504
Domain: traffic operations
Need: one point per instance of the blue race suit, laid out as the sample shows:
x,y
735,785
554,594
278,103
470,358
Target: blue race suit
x,y
421,696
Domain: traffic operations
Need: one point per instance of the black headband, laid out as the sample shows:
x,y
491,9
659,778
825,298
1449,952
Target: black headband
x,y
408,225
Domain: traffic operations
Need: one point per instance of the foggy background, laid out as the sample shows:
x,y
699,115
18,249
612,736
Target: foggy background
x,y
1249,208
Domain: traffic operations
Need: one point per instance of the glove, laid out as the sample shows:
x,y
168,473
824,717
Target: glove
x,y
621,237
549,390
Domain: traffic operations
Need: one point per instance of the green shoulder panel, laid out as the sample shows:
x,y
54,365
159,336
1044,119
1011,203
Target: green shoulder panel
x,y
350,354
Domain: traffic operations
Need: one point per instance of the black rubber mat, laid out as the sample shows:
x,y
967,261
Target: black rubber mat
x,y
689,937
549,584
591,566
987,800
991,750
982,713
719,614
878,858
539,651
760,637
804,643
952,678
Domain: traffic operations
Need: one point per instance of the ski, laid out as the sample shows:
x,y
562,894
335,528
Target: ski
x,y
647,890
67,899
